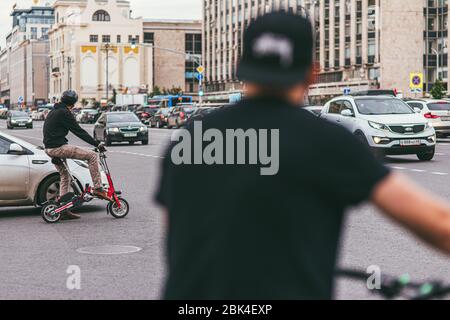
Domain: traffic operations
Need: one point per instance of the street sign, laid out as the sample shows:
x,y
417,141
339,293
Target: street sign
x,y
416,82
20,100
201,69
347,91
200,76
201,93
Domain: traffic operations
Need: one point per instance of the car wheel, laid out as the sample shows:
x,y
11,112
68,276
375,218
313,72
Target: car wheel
x,y
49,190
131,142
108,141
426,156
145,142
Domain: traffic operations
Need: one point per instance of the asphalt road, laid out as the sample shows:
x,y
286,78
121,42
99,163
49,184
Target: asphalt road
x,y
34,256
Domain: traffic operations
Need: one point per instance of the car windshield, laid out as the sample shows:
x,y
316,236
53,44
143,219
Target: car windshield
x,y
382,106
122,117
18,114
439,106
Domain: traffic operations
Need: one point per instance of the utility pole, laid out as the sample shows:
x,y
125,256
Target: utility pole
x,y
107,48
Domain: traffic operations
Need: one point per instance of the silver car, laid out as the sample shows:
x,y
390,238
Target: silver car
x,y
27,175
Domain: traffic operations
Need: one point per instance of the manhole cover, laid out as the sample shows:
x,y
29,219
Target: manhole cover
x,y
109,250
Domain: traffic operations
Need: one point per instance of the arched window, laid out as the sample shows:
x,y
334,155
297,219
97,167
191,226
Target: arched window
x,y
101,15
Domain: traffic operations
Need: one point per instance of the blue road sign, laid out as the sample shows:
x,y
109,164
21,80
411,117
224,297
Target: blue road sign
x,y
347,91
200,76
20,100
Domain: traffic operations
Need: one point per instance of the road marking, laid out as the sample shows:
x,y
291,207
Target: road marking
x,y
138,154
440,173
418,170
398,168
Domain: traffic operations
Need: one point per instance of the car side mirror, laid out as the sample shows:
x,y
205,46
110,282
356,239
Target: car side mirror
x,y
347,113
417,110
15,149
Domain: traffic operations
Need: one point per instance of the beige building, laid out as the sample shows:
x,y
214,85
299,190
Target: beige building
x,y
91,50
177,52
360,44
24,60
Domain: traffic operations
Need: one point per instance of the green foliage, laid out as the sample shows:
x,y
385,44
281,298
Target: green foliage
x,y
438,90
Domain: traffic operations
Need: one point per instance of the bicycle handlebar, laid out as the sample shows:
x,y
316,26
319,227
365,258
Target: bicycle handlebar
x,y
401,287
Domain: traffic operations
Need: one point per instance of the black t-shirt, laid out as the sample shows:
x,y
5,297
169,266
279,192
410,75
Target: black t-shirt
x,y
236,234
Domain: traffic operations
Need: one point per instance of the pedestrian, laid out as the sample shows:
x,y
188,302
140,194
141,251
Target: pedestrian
x,y
235,232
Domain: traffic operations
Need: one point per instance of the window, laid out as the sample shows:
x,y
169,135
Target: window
x,y
119,39
4,146
33,33
93,38
101,16
149,37
335,107
106,38
415,105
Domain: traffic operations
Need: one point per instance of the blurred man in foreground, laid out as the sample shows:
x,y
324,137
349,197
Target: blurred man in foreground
x,y
236,232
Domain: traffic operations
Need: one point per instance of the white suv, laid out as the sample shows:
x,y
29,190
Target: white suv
x,y
436,111
386,124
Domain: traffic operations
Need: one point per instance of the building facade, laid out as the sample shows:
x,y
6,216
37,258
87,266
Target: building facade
x,y
92,50
360,44
24,61
177,46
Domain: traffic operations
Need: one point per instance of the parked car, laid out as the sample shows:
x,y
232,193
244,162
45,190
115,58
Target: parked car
x,y
27,175
120,127
159,119
18,119
386,124
201,112
436,111
315,110
3,111
179,116
40,114
87,116
144,113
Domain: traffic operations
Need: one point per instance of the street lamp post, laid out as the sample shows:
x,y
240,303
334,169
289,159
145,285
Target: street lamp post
x,y
107,48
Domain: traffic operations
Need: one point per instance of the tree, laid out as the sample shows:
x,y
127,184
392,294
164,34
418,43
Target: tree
x,y
438,90
156,91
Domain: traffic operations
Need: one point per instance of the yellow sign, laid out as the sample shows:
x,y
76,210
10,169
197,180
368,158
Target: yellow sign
x,y
416,81
200,69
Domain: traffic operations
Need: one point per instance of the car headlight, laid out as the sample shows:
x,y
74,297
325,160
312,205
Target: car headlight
x,y
113,130
29,120
81,164
143,129
13,121
378,126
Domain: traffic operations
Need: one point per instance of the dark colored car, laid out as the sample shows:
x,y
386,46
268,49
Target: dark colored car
x,y
19,119
179,116
145,113
200,113
159,119
120,127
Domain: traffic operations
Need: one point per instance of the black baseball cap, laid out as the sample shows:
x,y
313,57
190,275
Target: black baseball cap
x,y
278,50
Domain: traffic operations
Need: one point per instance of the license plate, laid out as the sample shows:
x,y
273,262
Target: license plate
x,y
21,124
130,135
410,142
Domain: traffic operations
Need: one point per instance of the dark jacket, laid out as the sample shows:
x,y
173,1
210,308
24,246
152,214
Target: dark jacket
x,y
57,126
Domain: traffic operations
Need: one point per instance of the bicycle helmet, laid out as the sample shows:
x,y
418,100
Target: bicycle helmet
x,y
69,97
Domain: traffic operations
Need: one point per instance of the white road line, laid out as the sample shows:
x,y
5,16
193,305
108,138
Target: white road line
x,y
418,170
439,173
138,154
398,168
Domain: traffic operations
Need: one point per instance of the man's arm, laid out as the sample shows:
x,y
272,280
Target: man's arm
x,y
422,213
73,126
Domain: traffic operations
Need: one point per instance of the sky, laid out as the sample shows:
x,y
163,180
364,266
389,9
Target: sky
x,y
165,9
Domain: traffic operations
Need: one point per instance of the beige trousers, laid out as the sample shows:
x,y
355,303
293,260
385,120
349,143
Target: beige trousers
x,y
73,152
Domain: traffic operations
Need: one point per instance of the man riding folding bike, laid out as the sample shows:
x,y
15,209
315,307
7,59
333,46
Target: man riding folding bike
x,y
56,127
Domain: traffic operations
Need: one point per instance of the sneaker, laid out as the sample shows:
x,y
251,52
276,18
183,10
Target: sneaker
x,y
101,194
70,216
